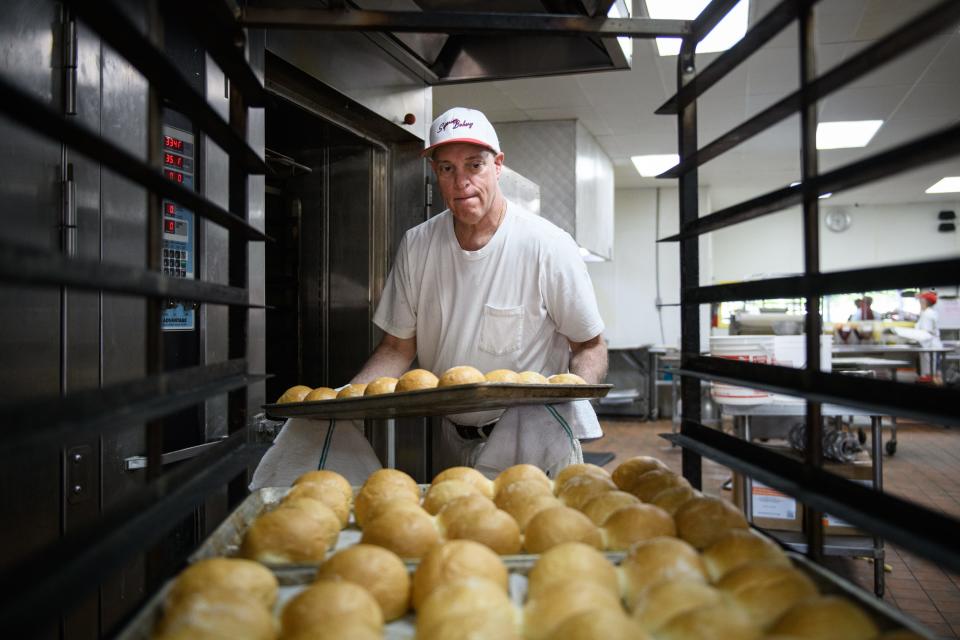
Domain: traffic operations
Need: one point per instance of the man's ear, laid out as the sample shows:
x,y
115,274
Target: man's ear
x,y
498,162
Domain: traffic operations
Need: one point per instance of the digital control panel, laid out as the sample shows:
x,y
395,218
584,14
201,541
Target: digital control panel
x,y
179,238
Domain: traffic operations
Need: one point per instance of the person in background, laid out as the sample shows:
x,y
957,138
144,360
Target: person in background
x,y
928,321
864,310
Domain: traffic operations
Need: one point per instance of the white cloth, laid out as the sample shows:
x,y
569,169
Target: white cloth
x,y
306,445
511,305
929,321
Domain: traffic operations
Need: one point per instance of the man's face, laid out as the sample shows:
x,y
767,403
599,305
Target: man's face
x,y
467,175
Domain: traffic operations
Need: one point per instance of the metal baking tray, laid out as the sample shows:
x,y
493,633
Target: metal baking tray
x,y
440,401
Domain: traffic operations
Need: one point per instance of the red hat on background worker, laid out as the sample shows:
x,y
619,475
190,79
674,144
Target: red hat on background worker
x,y
929,296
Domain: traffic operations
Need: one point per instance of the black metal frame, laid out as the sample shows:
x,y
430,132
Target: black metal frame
x,y
916,528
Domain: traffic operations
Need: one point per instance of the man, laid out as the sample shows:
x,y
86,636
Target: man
x,y
928,321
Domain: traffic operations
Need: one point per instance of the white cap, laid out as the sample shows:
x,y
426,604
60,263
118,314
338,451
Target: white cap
x,y
461,124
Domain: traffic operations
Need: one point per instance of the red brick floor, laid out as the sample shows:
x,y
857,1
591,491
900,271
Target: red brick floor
x,y
925,468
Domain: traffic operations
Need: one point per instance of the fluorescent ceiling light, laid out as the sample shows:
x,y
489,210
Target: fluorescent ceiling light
x,y
649,166
846,135
822,196
950,184
726,34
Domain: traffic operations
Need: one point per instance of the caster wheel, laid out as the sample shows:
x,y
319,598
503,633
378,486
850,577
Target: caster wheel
x,y
891,447
861,436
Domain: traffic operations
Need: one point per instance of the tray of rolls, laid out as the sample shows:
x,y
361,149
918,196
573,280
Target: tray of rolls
x,y
419,392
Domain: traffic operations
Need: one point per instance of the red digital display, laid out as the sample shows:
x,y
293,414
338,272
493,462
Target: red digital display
x,y
173,143
173,160
169,208
169,225
176,176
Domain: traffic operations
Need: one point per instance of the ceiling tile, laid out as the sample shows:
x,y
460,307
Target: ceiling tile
x,y
773,71
904,69
862,103
932,100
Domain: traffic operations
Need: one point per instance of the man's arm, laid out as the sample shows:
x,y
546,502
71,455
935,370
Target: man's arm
x,y
391,358
589,360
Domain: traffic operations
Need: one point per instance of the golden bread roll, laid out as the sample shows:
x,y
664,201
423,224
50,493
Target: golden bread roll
x,y
409,533
444,492
626,471
554,526
383,488
520,472
416,379
234,574
562,600
327,600
702,521
328,479
461,375
647,485
580,490
566,378
216,614
826,618
320,393
673,498
459,507
338,629
456,560
469,475
380,386
458,599
568,560
502,376
391,477
766,591
531,377
354,390
636,523
524,510
574,470
293,534
521,491
295,393
499,623
651,561
721,621
378,570
603,505
331,498
605,624
738,547
496,529
669,598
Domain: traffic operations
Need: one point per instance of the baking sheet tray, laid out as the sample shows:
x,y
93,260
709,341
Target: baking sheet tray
x,y
440,401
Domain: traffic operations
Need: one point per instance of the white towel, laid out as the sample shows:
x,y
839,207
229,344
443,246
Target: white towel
x,y
305,445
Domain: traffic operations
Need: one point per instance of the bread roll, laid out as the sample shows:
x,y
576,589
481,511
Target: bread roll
x,y
673,498
736,548
292,534
572,560
502,376
721,621
295,393
378,570
499,623
636,523
554,526
669,598
332,498
531,377
216,614
245,577
384,477
443,492
354,390
521,491
329,480
416,379
566,378
380,386
562,600
574,470
338,629
384,485
469,475
766,591
461,375
647,485
579,490
459,599
633,467
604,624
602,506
524,510
826,618
320,393
496,529
409,533
460,507
456,560
327,600
520,472
658,559
702,521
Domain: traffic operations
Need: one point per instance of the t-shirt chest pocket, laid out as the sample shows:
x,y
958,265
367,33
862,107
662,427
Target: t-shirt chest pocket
x,y
501,329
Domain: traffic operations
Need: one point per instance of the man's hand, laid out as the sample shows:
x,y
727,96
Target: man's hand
x,y
589,360
392,357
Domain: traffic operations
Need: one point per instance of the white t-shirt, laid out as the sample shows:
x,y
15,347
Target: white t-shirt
x,y
511,305
929,321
